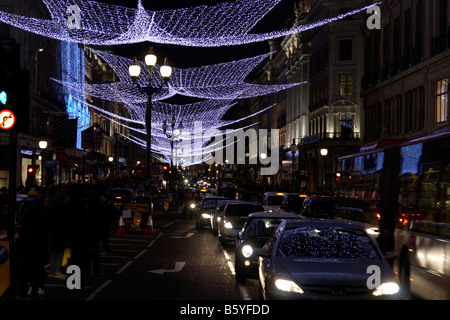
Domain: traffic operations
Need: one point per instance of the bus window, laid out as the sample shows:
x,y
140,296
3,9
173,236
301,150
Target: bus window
x,y
445,204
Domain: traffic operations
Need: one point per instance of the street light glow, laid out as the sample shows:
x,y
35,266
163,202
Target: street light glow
x,y
134,70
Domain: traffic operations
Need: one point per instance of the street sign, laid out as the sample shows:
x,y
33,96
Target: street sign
x,y
4,266
7,119
136,207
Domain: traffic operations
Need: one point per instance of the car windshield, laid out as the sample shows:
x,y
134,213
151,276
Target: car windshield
x,y
242,209
209,203
311,242
261,227
295,203
321,209
274,200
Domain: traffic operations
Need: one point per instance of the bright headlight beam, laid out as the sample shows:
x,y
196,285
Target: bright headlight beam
x,y
288,286
386,288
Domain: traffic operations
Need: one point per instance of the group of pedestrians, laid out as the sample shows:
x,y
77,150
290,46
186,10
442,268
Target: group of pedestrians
x,y
80,219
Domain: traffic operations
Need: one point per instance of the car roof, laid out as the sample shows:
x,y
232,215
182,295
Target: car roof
x,y
214,197
275,193
243,202
291,224
268,214
320,198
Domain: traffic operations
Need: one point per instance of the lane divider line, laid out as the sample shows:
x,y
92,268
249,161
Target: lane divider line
x,y
103,286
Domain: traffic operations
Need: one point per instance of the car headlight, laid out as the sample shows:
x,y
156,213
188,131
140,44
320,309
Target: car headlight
x,y
288,286
228,225
206,215
193,205
247,251
386,288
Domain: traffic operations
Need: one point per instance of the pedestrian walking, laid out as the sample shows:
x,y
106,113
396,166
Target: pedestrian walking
x,y
33,245
108,214
57,223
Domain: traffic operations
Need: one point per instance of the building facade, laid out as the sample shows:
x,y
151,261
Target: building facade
x,y
405,86
333,105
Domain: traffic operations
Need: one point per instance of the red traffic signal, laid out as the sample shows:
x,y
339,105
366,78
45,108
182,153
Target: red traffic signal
x,y
32,168
165,167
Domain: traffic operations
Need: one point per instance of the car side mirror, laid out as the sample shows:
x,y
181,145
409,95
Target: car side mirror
x,y
262,252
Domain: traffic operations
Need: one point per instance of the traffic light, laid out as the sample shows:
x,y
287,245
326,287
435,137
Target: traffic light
x,y
166,173
31,174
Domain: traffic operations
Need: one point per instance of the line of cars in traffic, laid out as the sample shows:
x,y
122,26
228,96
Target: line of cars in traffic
x,y
294,246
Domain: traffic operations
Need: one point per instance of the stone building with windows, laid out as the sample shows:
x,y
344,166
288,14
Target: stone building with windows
x,y
407,69
333,104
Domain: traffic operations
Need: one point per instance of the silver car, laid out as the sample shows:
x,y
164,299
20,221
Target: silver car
x,y
320,259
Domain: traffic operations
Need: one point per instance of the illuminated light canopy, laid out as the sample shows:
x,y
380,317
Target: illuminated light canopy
x,y
206,113
217,81
222,24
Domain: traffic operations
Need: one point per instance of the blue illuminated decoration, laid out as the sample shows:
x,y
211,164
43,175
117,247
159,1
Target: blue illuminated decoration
x,y
72,69
410,158
369,163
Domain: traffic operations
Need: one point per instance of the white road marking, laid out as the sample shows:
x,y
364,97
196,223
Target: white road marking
x,y
178,267
140,254
103,286
183,237
124,267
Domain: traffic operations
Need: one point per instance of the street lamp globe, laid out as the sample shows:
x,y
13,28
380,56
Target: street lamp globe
x,y
43,144
150,59
134,70
324,151
111,159
165,70
293,147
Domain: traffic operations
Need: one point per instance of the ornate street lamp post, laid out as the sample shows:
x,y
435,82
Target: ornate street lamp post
x,y
293,149
172,136
324,153
166,72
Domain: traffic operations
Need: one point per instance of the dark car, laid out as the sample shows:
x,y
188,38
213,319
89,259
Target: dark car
x,y
195,198
318,207
254,234
205,209
216,215
293,202
120,196
324,259
233,218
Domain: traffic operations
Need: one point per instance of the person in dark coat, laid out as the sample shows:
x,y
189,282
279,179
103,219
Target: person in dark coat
x,y
108,213
34,237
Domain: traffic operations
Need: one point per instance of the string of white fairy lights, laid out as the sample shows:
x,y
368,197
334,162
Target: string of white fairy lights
x,y
222,24
194,127
224,81
221,83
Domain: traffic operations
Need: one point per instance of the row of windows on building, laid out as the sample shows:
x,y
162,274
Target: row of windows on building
x,y
405,114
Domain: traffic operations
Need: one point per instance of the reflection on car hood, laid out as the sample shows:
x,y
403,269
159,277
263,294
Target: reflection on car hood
x,y
330,271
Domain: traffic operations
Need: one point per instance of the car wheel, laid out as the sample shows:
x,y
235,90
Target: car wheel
x,y
240,275
219,237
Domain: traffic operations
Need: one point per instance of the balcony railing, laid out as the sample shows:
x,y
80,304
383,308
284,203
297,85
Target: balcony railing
x,y
336,136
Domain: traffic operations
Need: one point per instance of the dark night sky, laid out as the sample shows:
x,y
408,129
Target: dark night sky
x,y
184,57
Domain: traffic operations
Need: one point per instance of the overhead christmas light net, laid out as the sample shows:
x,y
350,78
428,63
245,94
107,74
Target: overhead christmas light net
x,y
224,81
222,24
